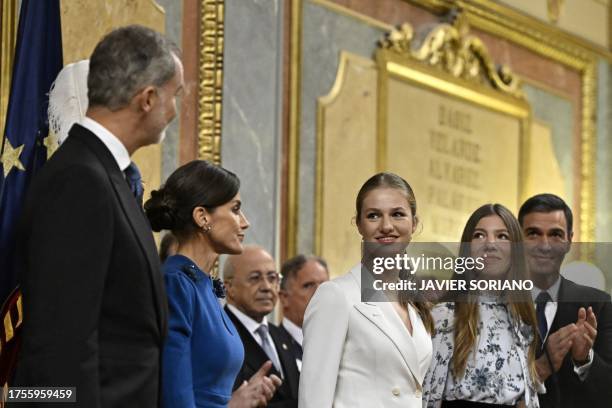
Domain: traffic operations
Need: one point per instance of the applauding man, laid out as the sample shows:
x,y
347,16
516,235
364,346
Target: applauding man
x,y
574,321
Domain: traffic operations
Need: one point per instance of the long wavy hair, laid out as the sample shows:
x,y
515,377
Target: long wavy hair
x,y
467,311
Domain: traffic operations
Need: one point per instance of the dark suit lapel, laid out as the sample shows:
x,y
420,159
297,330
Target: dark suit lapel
x,y
566,310
287,358
254,356
135,217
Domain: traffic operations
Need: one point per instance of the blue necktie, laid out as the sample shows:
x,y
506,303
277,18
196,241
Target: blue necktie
x,y
134,180
541,301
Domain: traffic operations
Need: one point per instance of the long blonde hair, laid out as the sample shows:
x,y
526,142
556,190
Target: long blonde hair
x,y
466,304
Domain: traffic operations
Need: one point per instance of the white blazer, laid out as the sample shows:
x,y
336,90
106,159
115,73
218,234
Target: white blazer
x,y
360,354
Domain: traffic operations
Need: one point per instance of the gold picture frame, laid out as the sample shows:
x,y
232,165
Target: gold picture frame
x,y
456,69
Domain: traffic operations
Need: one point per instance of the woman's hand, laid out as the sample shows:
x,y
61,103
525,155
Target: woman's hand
x,y
257,391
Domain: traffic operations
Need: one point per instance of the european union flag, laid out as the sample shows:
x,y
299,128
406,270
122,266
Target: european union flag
x,y
38,60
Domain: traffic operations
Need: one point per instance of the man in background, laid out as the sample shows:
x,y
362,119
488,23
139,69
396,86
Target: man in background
x,y
574,321
301,276
94,300
252,283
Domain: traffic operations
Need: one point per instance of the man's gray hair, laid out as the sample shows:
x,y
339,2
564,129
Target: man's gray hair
x,y
127,60
292,266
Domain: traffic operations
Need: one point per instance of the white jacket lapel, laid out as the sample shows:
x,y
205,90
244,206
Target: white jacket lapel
x,y
379,314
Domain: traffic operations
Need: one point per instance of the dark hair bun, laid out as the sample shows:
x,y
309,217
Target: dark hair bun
x,y
160,211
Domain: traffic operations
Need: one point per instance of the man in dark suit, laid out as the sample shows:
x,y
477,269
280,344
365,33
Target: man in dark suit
x,y
301,276
94,300
575,321
252,291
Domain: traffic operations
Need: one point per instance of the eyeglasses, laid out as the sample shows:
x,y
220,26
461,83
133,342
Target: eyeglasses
x,y
257,278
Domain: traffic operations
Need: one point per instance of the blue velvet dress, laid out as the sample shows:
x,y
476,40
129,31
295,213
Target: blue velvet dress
x,y
203,352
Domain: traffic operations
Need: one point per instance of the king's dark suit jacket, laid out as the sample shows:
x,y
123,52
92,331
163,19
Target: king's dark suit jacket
x,y
286,395
94,300
564,388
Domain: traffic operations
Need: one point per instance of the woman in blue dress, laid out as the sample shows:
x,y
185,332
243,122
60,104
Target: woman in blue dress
x,y
203,353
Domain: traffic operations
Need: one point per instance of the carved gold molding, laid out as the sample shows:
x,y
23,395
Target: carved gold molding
x,y
452,49
495,17
210,87
8,35
561,47
452,62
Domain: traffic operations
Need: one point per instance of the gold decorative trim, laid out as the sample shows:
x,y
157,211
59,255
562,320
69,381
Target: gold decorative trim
x,y
505,23
158,7
8,13
322,103
452,49
508,20
434,66
8,328
19,311
561,47
210,90
588,146
293,150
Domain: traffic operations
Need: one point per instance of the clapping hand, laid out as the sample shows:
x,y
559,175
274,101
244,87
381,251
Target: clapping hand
x,y
585,338
558,344
257,391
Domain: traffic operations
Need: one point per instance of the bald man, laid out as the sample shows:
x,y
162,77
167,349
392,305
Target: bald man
x,y
252,285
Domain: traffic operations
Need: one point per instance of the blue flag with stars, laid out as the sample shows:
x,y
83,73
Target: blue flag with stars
x,y
38,60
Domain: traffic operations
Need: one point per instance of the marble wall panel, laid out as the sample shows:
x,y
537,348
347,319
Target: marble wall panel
x,y
252,104
557,112
325,33
169,150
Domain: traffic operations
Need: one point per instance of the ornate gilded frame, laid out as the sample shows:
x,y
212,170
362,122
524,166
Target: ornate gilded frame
x,y
505,23
454,63
210,84
561,47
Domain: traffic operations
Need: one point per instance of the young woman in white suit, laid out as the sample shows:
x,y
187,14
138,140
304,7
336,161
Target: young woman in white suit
x,y
368,354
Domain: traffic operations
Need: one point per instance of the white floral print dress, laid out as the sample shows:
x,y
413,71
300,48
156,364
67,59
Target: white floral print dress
x,y
496,371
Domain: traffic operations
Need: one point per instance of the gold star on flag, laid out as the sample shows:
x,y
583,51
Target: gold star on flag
x,y
10,158
51,144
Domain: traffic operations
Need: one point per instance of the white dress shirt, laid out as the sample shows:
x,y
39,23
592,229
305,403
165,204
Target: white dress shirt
x,y
550,311
294,330
296,333
251,325
112,143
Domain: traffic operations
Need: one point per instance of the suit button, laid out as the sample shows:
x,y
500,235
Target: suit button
x,y
396,391
418,394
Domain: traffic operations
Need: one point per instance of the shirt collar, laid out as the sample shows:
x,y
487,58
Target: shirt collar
x,y
250,324
112,143
553,291
294,330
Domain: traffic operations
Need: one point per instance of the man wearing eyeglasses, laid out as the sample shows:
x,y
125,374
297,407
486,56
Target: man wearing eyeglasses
x,y
252,285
